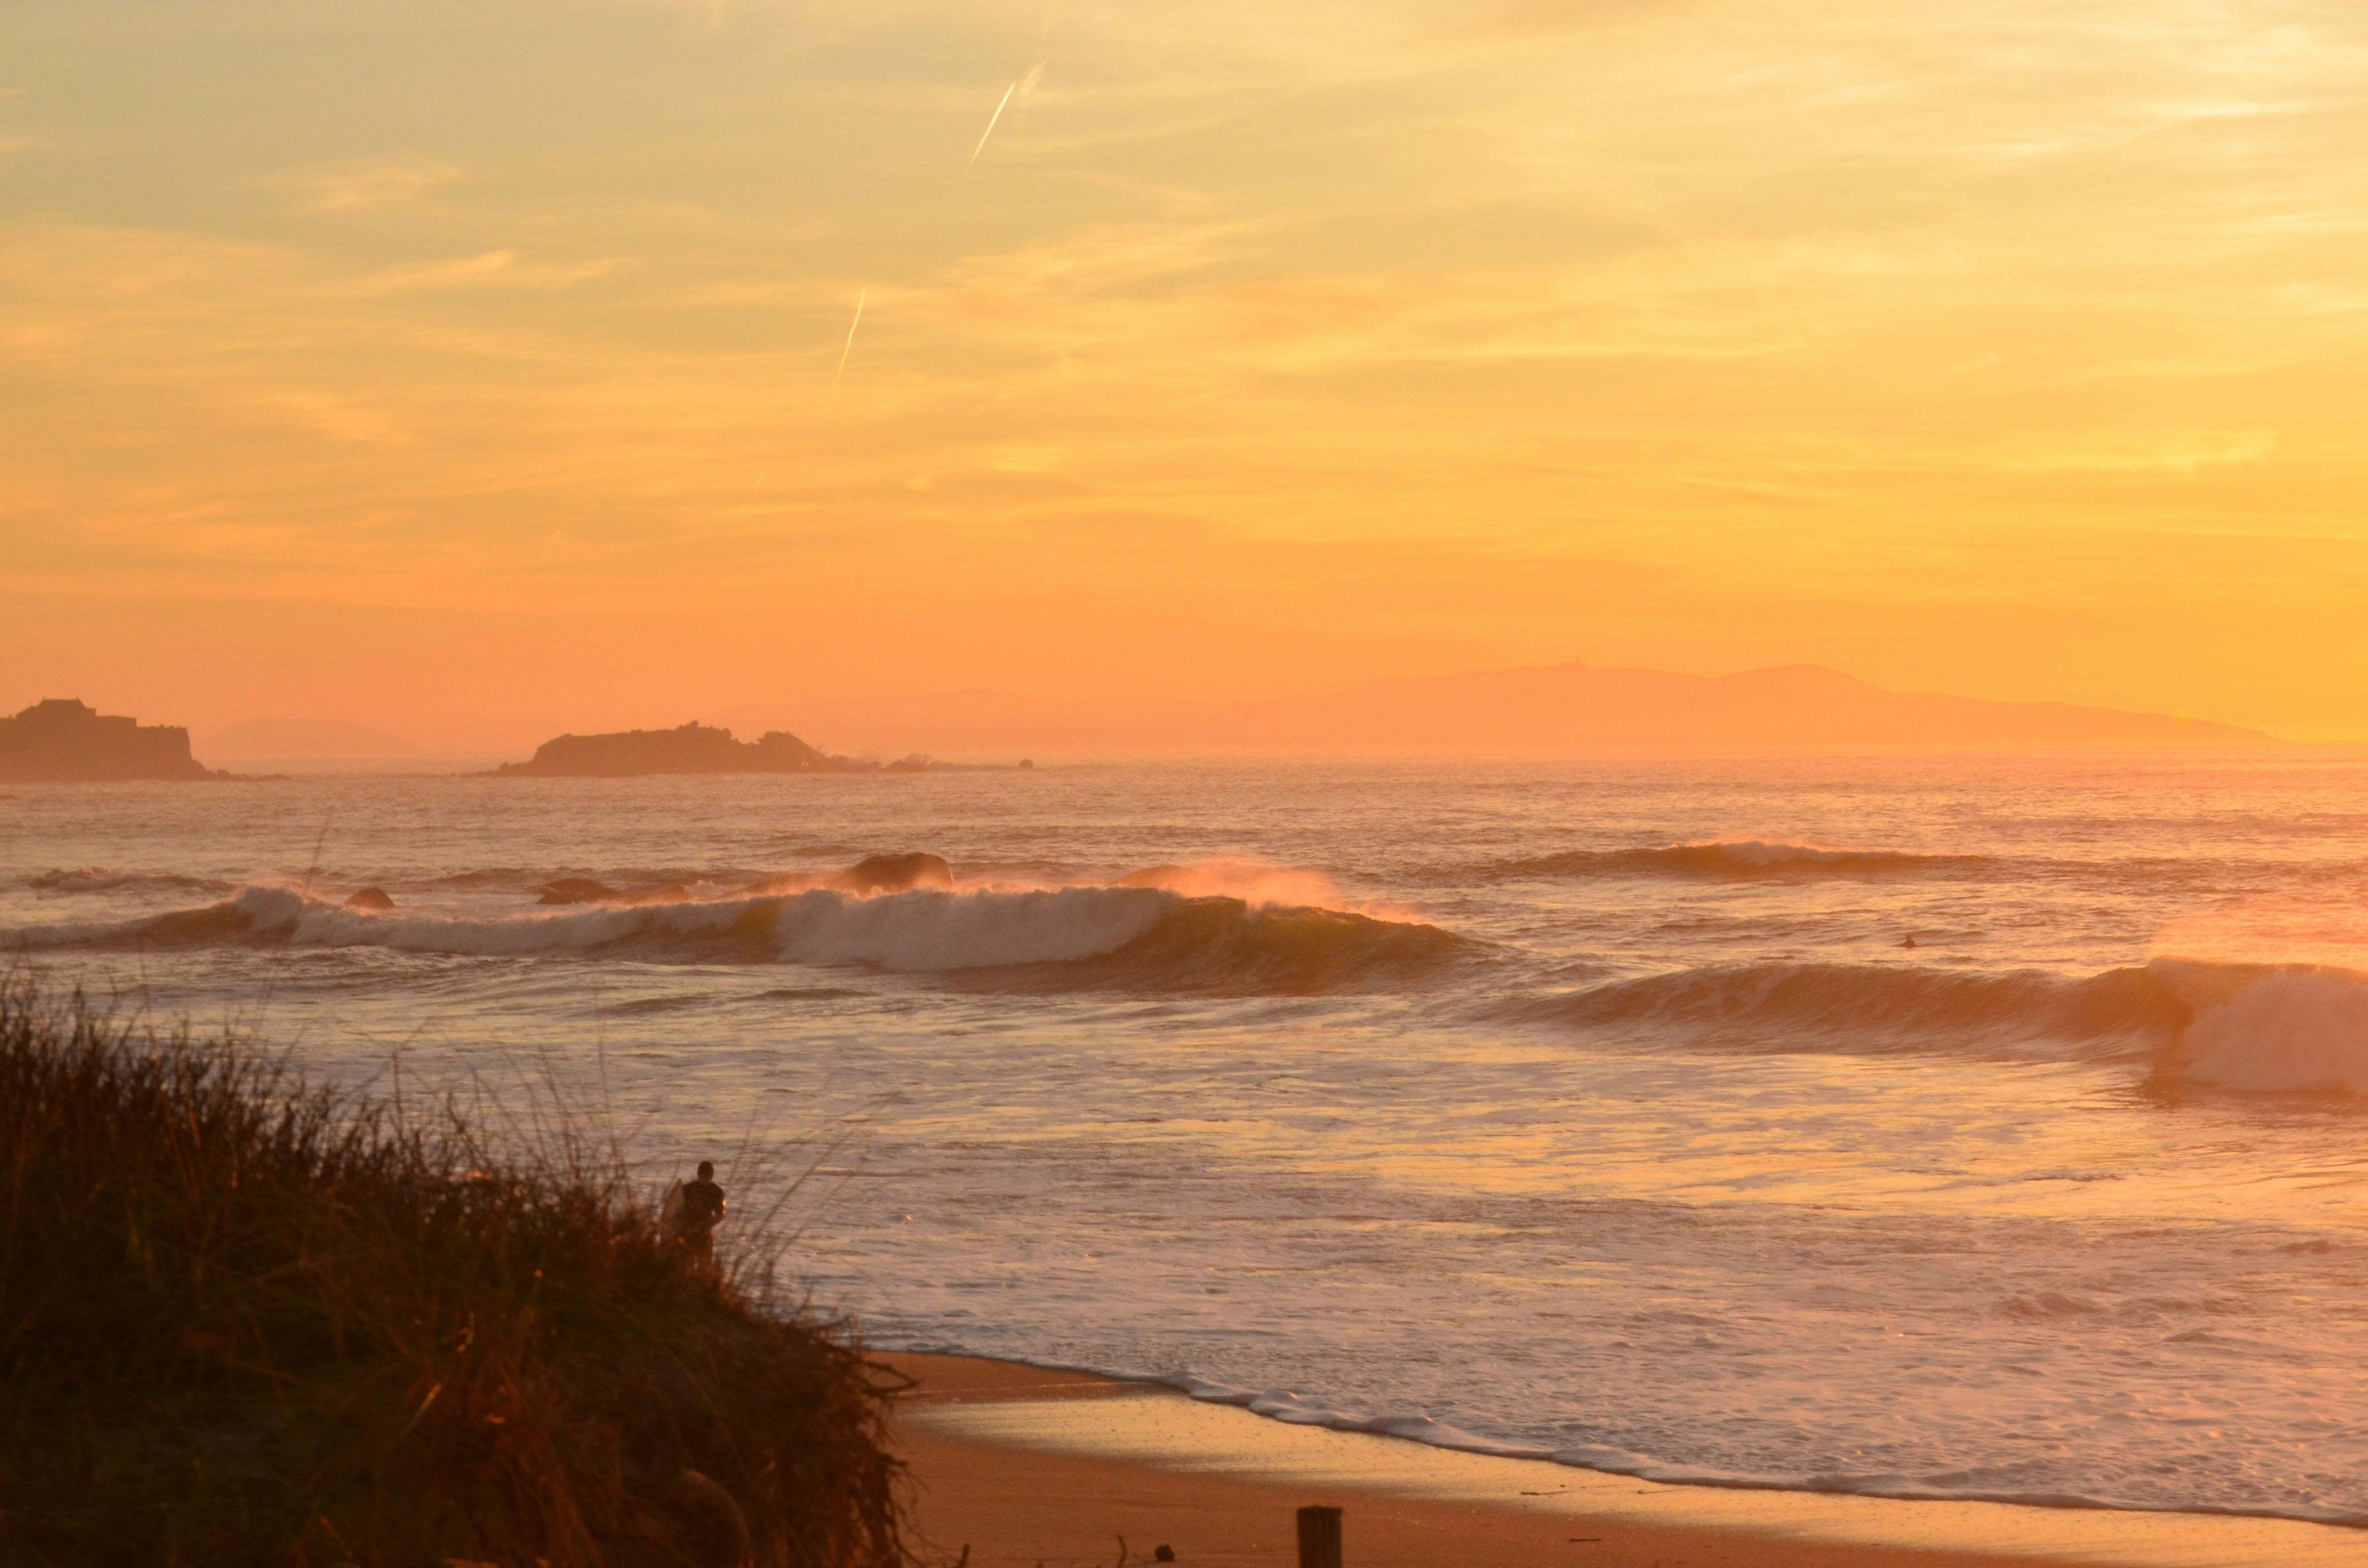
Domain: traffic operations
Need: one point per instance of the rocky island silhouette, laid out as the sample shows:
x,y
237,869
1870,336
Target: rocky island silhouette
x,y
698,748
65,740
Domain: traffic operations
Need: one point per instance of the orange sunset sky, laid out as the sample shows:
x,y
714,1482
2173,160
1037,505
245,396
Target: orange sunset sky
x,y
472,370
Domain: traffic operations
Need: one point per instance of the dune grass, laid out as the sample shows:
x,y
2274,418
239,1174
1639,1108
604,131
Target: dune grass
x,y
248,1320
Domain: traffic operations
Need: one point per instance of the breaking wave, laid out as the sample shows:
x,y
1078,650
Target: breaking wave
x,y
1227,945
1051,938
1816,1006
1738,860
1252,881
2277,1031
2271,1029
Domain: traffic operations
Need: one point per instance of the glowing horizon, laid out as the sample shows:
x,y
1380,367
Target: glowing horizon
x,y
470,373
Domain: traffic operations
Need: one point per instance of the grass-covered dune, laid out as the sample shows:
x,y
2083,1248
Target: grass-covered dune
x,y
247,1320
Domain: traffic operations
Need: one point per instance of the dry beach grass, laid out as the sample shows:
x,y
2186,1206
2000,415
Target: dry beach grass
x,y
248,1320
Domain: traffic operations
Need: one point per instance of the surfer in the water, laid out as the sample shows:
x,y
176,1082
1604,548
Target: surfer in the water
x,y
694,1211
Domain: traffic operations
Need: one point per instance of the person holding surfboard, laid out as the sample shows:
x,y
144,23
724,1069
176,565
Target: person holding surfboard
x,y
691,1213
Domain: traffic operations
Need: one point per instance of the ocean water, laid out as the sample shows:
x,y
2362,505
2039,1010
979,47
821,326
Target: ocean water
x,y
1589,1109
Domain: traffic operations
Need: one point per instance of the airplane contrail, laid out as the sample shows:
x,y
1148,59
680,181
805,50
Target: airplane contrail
x,y
983,135
860,296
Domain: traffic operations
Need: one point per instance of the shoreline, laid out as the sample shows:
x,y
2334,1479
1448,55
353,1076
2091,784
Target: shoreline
x,y
1025,1465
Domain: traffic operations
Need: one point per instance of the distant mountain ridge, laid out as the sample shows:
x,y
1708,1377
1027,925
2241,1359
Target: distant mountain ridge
x,y
1571,705
279,738
1552,707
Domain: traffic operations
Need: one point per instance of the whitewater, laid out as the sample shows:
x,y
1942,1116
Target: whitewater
x,y
1917,1126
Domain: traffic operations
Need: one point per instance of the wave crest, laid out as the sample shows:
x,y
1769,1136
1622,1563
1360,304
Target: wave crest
x,y
2271,1029
2276,1029
1824,1004
1739,859
1051,938
1227,945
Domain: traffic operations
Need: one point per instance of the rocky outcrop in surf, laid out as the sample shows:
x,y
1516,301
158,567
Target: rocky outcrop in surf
x,y
65,740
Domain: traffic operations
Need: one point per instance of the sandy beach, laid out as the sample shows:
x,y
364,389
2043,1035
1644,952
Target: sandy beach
x,y
1024,1466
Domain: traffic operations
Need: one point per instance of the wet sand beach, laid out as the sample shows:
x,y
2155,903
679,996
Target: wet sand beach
x,y
1023,1465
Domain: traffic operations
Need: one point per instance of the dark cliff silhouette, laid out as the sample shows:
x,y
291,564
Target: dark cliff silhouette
x,y
65,740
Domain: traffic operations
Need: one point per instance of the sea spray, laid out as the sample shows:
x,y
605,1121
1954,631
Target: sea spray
x,y
2303,1029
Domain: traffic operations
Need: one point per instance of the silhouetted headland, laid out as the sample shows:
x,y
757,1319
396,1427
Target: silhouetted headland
x,y
65,740
698,748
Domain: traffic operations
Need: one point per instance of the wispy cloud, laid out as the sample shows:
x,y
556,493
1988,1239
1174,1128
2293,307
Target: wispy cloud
x,y
370,185
2133,451
338,415
490,269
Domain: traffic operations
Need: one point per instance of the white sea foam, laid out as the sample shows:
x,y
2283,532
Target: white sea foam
x,y
1298,1411
2297,1030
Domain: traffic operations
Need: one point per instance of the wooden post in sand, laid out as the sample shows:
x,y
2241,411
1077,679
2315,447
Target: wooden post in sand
x,y
1319,1537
